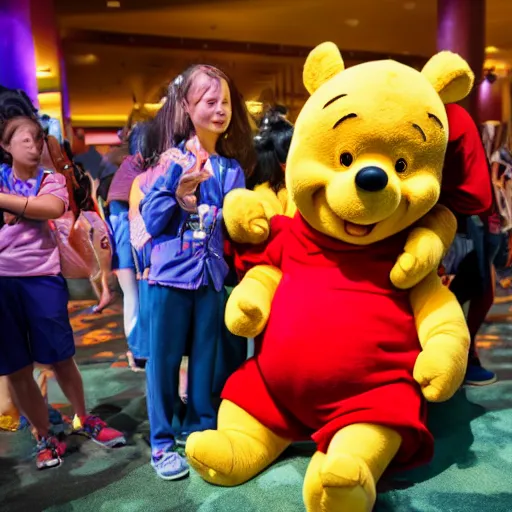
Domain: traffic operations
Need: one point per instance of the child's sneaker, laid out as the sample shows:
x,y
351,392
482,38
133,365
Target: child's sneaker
x,y
168,464
181,439
96,429
479,376
49,452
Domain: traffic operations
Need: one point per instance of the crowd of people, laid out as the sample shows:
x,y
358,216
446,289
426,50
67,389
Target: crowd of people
x,y
163,203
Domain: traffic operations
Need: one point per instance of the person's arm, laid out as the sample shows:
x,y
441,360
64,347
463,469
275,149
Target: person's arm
x,y
466,187
50,203
45,207
159,205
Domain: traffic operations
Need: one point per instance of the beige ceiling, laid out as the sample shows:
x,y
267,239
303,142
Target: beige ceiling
x,y
388,26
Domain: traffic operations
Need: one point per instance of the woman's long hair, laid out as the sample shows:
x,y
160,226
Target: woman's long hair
x,y
173,125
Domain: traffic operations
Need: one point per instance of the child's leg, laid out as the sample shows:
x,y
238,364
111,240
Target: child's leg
x,y
129,286
51,335
28,398
52,343
479,307
70,381
123,263
171,314
16,361
207,320
138,341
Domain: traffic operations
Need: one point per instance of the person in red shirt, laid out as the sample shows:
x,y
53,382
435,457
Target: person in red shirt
x,y
467,191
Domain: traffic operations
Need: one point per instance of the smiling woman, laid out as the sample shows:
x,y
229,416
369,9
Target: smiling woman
x,y
192,100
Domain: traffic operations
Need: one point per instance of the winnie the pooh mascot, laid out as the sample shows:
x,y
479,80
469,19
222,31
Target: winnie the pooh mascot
x,y
346,358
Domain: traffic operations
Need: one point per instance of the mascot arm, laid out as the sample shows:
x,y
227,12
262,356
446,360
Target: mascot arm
x,y
248,307
444,338
426,245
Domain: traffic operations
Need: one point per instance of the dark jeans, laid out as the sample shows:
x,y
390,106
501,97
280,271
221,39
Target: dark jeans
x,y
178,316
473,282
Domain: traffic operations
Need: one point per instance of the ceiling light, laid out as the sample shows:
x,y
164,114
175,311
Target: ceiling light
x,y
44,72
254,107
491,49
84,60
113,4
409,6
352,22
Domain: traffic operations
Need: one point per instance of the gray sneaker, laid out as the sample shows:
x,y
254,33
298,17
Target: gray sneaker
x,y
181,439
168,464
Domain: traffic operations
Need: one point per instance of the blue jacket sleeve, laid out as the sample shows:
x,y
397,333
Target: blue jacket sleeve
x,y
158,207
235,178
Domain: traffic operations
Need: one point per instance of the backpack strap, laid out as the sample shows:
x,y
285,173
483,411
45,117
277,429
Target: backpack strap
x,y
64,166
41,179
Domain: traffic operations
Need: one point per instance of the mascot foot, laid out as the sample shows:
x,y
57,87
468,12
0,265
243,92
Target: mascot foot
x,y
211,454
238,451
344,479
339,483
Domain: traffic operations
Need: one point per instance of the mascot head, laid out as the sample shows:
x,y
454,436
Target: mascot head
x,y
368,149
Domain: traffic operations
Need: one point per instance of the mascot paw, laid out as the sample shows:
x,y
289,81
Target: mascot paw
x,y
344,483
440,374
423,253
247,311
245,216
409,271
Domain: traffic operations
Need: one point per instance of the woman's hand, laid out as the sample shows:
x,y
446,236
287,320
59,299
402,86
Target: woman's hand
x,y
187,186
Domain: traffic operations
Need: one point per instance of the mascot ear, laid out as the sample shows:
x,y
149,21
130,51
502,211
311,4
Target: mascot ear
x,y
322,64
450,75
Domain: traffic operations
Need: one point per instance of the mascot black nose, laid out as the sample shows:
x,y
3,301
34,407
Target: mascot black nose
x,y
371,179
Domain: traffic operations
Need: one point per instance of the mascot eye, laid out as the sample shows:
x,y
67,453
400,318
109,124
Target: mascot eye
x,y
346,159
400,165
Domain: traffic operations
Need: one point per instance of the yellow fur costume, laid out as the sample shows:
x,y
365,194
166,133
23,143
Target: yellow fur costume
x,y
365,164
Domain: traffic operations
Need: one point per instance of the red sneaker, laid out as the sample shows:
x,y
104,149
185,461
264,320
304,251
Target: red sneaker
x,y
96,429
49,452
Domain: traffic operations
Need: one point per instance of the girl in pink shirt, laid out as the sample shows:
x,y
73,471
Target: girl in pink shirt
x,y
34,321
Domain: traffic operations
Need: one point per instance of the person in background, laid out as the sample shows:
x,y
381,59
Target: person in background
x,y
124,264
272,144
33,293
467,191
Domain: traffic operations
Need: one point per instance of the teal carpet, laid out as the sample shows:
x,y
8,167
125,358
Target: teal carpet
x,y
471,470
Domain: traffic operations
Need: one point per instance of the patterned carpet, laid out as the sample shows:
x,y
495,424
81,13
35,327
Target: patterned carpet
x,y
471,470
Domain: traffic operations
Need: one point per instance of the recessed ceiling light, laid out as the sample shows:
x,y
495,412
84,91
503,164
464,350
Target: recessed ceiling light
x,y
491,49
86,59
409,6
352,22
113,4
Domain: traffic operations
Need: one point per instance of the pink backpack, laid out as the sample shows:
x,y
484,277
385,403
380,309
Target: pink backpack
x,y
82,236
